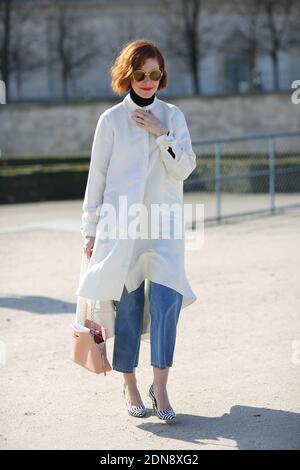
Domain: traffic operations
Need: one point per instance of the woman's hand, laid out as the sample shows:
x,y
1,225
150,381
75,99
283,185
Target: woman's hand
x,y
88,245
146,120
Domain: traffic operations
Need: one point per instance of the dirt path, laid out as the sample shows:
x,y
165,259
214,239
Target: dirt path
x,y
235,383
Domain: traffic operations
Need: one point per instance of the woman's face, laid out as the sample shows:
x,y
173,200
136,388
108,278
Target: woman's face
x,y
146,87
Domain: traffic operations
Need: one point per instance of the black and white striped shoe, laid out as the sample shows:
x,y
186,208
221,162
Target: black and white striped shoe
x,y
136,411
167,414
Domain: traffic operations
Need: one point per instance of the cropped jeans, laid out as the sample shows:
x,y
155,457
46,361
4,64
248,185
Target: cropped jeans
x,y
164,308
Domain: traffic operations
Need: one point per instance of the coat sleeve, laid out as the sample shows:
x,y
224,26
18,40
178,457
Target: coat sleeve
x,y
179,140
100,157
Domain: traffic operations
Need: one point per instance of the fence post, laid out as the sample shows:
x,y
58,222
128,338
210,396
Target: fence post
x,y
272,174
218,180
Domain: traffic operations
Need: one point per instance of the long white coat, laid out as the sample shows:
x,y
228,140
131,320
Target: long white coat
x,y
128,161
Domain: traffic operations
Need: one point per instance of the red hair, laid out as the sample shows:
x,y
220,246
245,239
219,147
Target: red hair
x,y
131,57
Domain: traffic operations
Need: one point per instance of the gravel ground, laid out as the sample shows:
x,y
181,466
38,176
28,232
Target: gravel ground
x,y
235,382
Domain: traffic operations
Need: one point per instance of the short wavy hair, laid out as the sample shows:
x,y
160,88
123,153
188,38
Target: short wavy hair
x,y
131,57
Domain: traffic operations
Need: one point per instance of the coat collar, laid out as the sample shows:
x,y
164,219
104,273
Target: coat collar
x,y
131,105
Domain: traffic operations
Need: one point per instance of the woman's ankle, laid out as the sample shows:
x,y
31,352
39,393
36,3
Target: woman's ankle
x,y
129,380
160,387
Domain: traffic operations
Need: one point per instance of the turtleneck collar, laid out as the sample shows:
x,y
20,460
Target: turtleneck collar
x,y
132,105
139,100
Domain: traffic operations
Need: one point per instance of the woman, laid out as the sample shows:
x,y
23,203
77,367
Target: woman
x,y
141,151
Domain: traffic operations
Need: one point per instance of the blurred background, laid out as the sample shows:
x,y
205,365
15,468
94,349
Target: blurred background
x,y
233,68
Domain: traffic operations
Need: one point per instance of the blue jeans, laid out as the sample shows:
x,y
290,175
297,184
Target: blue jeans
x,y
164,308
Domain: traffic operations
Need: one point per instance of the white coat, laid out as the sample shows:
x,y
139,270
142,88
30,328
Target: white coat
x,y
126,160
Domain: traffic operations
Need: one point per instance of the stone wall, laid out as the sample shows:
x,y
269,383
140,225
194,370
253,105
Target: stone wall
x,y
69,128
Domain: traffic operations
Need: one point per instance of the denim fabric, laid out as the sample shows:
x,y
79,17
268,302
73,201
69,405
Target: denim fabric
x,y
164,308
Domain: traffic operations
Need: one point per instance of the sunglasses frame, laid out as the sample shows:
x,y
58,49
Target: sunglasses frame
x,y
147,74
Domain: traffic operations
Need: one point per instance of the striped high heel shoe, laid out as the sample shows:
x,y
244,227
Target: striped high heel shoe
x,y
136,411
167,414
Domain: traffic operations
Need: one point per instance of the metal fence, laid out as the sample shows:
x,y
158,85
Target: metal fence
x,y
243,176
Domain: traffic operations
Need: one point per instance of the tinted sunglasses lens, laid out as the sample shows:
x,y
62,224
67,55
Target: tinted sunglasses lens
x,y
155,75
138,75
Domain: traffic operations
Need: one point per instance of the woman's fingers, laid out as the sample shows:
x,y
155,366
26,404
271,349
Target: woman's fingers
x,y
138,118
89,252
147,120
88,246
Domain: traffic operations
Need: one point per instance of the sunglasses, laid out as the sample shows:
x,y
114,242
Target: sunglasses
x,y
139,75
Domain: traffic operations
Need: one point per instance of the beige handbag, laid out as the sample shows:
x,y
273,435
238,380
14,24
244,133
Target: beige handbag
x,y
89,345
104,310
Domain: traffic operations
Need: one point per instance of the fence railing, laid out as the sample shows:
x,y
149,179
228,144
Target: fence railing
x,y
241,176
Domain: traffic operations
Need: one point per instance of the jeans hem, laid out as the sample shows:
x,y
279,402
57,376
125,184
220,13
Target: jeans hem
x,y
123,370
161,367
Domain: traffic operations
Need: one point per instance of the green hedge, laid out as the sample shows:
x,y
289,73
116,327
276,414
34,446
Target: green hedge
x,y
27,178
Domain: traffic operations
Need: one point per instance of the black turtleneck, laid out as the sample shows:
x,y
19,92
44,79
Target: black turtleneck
x,y
141,101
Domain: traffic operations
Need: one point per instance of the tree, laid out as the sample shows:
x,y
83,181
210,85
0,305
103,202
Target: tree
x,y
276,22
73,43
5,42
249,22
186,36
18,52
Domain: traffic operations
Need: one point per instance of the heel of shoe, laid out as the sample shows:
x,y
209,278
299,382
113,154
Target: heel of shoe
x,y
153,401
165,415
